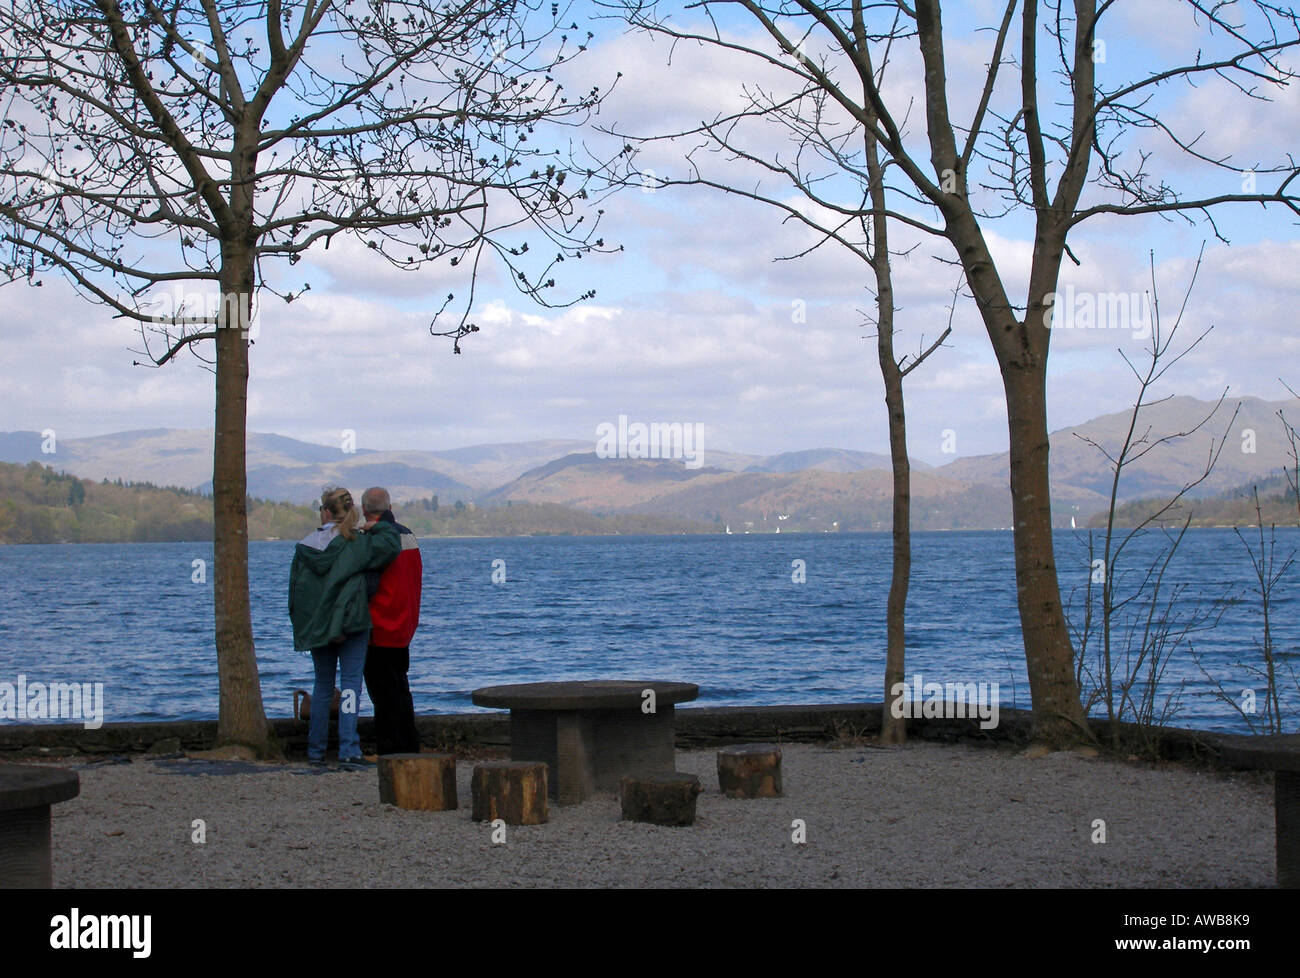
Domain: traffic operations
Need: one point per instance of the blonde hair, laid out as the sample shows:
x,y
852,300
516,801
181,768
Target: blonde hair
x,y
338,503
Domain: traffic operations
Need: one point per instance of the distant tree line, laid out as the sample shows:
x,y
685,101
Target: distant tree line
x,y
1236,507
41,505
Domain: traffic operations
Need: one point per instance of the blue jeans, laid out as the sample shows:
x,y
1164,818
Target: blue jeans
x,y
349,656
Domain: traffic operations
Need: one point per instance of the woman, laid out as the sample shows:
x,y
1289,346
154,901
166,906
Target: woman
x,y
327,605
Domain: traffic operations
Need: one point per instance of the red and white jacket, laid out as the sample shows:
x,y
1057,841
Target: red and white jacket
x,y
395,597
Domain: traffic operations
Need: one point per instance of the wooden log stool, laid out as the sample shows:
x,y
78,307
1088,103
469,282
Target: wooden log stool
x,y
419,782
513,791
660,797
750,771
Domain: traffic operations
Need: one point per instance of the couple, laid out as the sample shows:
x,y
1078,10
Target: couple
x,y
354,600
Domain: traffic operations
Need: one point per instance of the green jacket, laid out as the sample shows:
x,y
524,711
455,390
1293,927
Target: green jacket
x,y
327,588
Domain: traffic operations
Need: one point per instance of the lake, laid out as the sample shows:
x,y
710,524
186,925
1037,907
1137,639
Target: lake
x,y
721,611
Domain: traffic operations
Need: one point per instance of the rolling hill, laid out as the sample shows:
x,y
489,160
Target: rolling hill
x,y
1077,464
815,489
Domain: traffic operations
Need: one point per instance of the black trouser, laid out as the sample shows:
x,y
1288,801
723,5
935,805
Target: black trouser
x,y
394,710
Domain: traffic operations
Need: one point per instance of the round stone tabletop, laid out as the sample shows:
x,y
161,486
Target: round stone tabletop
x,y
30,786
1280,752
590,694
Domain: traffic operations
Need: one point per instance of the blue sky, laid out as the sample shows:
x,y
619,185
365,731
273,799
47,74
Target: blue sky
x,y
693,322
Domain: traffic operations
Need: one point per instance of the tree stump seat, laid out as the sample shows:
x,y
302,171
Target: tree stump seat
x,y
660,797
1280,754
26,793
513,791
750,771
418,782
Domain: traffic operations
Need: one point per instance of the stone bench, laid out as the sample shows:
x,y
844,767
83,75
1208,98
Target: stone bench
x,y
1281,755
26,793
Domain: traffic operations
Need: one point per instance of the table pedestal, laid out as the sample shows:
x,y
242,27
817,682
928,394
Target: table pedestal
x,y
591,750
26,794
1286,803
25,862
1279,753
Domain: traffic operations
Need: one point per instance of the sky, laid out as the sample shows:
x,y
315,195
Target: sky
x,y
695,320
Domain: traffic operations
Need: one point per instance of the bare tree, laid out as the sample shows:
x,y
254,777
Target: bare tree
x,y
1124,646
893,726
1017,153
1269,572
824,146
156,144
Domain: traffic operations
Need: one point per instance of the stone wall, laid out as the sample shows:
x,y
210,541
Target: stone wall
x,y
697,727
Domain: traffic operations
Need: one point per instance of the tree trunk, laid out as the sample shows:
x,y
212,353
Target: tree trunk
x,y
1049,655
893,730
241,718
1021,349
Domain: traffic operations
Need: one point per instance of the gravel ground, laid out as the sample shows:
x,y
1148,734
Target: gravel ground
x,y
924,815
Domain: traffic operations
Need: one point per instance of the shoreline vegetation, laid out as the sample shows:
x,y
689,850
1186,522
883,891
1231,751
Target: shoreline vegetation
x,y
40,505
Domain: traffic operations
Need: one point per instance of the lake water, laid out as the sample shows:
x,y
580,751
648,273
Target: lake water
x,y
720,611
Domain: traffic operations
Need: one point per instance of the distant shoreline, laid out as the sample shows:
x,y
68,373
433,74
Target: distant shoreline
x,y
426,537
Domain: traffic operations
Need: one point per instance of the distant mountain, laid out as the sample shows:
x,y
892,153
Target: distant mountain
x,y
487,466
20,447
303,483
839,489
269,446
822,488
601,485
809,500
278,467
161,456
828,460
728,461
1077,465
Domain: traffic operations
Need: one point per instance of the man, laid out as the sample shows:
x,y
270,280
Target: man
x,y
394,616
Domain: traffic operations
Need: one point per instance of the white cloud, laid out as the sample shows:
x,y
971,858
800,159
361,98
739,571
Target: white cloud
x,y
694,322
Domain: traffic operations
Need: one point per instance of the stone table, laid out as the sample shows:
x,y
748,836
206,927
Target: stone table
x,y
1281,755
26,793
592,732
